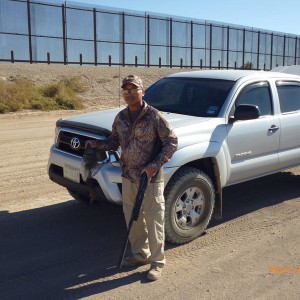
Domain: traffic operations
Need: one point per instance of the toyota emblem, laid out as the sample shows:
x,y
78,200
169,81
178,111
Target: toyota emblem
x,y
75,143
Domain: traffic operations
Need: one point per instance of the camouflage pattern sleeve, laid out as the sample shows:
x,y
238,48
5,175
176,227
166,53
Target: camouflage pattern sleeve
x,y
169,143
112,143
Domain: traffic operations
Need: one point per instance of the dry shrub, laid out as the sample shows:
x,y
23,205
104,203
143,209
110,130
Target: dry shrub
x,y
21,93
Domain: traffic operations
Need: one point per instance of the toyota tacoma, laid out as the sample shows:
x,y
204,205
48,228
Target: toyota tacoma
x,y
232,126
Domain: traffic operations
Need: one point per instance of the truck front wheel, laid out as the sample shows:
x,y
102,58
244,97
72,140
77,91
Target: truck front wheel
x,y
79,197
189,198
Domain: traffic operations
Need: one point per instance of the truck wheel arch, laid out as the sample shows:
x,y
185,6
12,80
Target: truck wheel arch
x,y
210,166
190,200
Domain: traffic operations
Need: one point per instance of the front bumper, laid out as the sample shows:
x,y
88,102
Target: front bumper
x,y
108,180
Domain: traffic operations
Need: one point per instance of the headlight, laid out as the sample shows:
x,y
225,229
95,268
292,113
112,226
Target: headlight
x,y
57,129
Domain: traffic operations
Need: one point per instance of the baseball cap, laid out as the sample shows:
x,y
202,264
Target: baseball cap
x,y
134,79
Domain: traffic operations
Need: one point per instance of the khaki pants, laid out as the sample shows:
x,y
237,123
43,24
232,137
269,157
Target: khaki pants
x,y
147,235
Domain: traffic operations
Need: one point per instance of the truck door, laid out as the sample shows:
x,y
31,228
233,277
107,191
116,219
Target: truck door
x,y
289,100
253,144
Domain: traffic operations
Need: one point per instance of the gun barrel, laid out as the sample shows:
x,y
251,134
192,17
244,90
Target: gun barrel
x,y
140,196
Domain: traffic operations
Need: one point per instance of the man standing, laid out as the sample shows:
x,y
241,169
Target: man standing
x,y
136,129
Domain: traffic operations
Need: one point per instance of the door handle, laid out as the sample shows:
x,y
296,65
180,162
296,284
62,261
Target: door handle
x,y
273,128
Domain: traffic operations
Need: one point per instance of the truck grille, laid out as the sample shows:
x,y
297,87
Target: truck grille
x,y
72,142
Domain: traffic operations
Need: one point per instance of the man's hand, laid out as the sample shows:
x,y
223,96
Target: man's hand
x,y
150,173
91,143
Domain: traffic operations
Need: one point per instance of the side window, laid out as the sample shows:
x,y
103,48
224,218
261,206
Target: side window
x,y
289,96
257,94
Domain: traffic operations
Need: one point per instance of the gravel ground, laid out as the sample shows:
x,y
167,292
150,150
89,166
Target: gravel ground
x,y
55,248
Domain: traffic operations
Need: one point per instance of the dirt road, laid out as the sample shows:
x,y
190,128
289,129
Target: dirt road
x,y
55,248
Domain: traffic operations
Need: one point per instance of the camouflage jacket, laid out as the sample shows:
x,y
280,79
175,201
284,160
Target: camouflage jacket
x,y
137,141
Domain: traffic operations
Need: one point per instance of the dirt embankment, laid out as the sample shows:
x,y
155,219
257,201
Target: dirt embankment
x,y
55,248
102,83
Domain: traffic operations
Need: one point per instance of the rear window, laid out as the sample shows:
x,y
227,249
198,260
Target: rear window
x,y
190,96
289,96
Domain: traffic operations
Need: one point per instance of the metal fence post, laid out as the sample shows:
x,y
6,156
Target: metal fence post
x,y
210,45
48,58
12,57
192,45
95,35
123,39
29,31
148,41
244,42
171,42
258,44
271,55
136,61
227,50
159,62
64,33
295,61
284,44
80,59
109,60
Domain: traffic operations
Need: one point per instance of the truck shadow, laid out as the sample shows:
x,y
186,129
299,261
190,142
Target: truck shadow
x,y
249,196
70,250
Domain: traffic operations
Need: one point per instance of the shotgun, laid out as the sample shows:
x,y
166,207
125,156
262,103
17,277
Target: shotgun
x,y
139,200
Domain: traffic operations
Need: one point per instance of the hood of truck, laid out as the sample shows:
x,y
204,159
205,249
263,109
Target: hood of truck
x,y
189,129
105,118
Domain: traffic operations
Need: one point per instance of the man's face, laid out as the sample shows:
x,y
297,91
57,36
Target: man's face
x,y
132,94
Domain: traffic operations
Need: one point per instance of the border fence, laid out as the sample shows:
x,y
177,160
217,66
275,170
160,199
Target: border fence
x,y
40,32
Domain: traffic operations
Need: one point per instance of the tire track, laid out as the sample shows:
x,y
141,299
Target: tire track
x,y
251,226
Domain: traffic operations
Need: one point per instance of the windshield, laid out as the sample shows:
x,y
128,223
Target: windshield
x,y
190,96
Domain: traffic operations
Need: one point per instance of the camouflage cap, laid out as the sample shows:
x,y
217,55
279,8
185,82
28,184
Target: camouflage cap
x,y
134,79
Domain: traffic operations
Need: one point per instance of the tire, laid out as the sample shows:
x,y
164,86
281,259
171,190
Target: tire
x,y
190,199
79,197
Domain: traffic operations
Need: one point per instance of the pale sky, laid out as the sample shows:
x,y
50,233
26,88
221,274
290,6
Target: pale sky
x,y
275,15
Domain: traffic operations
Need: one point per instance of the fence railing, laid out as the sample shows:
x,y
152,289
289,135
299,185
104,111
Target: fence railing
x,y
69,34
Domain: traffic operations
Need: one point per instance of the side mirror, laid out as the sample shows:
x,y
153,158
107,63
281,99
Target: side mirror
x,y
246,112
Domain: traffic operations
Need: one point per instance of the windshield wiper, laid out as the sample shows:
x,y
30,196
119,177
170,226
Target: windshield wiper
x,y
170,110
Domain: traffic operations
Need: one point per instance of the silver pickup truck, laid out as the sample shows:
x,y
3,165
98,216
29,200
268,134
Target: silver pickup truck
x,y
232,126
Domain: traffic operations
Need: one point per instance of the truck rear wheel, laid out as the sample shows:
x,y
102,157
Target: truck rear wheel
x,y
190,198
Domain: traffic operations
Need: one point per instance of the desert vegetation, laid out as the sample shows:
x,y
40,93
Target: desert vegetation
x,y
18,93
